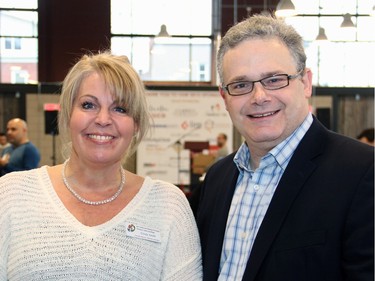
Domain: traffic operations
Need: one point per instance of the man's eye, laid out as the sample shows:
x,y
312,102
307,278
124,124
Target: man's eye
x,y
241,85
275,80
87,105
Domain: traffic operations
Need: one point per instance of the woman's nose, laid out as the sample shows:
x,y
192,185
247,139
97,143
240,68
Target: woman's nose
x,y
104,117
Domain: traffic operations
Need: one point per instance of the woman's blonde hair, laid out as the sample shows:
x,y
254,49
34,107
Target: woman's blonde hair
x,y
123,83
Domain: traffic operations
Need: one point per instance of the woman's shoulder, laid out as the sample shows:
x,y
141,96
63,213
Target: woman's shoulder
x,y
21,186
163,193
21,175
163,186
23,179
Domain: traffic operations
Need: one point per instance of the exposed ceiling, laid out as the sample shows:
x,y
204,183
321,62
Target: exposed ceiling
x,y
233,11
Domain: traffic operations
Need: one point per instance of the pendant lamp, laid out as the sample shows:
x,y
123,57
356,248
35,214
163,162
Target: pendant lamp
x,y
322,35
347,22
285,8
163,31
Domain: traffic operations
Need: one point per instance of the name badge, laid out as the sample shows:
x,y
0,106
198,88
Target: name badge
x,y
141,232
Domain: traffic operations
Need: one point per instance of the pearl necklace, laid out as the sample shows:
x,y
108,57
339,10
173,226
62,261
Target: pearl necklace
x,y
95,203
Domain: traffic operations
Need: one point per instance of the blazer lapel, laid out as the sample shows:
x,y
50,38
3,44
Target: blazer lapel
x,y
293,179
225,186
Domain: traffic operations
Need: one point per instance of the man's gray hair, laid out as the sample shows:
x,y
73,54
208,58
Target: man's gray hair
x,y
263,27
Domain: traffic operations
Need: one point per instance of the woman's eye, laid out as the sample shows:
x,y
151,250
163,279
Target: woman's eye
x,y
120,109
87,105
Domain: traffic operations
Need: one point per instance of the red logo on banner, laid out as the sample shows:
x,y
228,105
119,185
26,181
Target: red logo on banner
x,y
51,107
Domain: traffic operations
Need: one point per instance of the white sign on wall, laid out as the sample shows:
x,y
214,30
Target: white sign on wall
x,y
179,117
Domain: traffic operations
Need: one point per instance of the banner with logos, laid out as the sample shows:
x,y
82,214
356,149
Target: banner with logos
x,y
179,117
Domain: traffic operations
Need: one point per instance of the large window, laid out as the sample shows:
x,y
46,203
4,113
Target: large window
x,y
347,57
183,54
18,41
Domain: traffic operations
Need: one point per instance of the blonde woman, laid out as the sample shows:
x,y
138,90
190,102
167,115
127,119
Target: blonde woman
x,y
89,219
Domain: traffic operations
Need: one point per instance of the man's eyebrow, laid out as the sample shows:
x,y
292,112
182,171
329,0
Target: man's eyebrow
x,y
261,76
239,78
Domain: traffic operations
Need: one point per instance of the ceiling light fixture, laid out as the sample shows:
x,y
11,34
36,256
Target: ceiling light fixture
x,y
322,35
163,31
285,8
347,22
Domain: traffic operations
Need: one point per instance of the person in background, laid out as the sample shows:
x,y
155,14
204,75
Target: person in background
x,y
221,140
89,218
220,153
22,154
296,201
3,142
367,136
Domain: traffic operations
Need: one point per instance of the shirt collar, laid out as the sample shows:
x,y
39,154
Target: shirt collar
x,y
280,153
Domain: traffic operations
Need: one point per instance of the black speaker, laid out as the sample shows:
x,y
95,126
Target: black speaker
x,y
324,116
50,122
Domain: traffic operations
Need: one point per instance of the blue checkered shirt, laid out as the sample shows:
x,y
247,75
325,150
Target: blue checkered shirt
x,y
252,196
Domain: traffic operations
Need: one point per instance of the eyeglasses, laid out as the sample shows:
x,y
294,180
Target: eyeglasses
x,y
274,82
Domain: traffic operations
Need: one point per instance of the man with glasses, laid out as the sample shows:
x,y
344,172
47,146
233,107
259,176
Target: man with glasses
x,y
295,202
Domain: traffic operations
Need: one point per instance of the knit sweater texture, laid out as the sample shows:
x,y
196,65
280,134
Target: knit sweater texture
x,y
153,238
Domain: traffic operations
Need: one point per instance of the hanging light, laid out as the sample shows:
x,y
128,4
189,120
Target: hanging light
x,y
248,11
347,22
163,31
265,11
285,8
322,35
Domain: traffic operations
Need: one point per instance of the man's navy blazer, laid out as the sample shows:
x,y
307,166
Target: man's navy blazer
x,y
320,222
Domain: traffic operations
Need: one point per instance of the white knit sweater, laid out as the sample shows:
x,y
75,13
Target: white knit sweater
x,y
41,240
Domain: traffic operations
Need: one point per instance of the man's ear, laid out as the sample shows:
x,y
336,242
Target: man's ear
x,y
307,82
222,92
223,95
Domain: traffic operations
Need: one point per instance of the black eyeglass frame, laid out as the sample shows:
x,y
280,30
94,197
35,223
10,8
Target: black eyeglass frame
x,y
288,76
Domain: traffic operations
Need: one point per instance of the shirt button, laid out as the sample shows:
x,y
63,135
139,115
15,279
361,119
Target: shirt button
x,y
256,187
243,235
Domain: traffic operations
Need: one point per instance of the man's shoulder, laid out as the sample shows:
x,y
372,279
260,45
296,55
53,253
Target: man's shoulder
x,y
7,149
30,145
225,164
335,148
30,149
